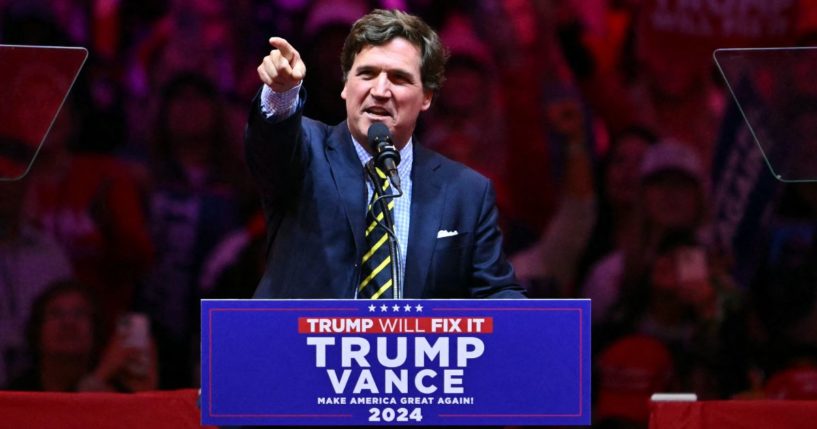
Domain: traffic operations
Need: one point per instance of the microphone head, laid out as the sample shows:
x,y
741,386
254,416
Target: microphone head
x,y
378,133
386,155
379,138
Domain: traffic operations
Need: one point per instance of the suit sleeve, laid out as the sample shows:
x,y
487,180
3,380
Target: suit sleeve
x,y
493,276
275,151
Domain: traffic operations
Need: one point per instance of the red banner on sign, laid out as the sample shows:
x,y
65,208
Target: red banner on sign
x,y
395,325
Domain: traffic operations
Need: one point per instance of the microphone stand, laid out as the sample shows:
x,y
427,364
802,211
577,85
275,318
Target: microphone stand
x,y
388,226
394,248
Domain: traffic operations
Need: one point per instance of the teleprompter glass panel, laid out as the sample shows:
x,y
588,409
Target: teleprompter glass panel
x,y
34,82
776,91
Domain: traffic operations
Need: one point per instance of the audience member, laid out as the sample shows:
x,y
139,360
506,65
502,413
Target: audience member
x,y
783,294
87,200
627,373
194,201
547,268
672,199
798,382
196,35
685,300
67,338
29,261
467,124
528,62
617,196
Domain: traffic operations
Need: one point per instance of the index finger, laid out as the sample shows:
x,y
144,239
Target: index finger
x,y
287,51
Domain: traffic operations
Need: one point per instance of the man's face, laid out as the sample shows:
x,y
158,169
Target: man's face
x,y
621,177
672,199
384,85
67,327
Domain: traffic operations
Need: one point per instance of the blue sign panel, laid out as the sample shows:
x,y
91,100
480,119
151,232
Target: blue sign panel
x,y
395,362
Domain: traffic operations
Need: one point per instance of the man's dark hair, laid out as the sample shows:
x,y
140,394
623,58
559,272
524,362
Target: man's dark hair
x,y
381,26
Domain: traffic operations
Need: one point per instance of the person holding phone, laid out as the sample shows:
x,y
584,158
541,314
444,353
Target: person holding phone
x,y
71,354
686,300
670,199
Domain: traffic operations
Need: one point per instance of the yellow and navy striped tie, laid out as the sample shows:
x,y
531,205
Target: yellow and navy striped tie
x,y
377,281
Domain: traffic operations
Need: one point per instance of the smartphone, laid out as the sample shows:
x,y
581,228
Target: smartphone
x,y
135,331
691,263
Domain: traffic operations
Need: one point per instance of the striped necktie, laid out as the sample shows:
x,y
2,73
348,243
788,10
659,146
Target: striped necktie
x,y
377,280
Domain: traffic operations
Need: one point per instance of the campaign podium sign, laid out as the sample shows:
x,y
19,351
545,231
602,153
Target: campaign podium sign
x,y
395,362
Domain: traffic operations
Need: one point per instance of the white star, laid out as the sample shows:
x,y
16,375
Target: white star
x,y
407,308
384,308
371,308
396,308
419,307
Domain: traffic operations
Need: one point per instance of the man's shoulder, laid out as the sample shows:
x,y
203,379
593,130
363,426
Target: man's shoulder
x,y
450,169
318,130
308,122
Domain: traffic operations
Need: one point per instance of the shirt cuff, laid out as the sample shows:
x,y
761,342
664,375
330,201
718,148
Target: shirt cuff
x,y
279,105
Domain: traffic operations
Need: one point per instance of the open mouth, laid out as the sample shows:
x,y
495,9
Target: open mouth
x,y
376,112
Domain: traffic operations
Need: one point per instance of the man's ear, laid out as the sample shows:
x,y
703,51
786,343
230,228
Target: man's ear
x,y
428,95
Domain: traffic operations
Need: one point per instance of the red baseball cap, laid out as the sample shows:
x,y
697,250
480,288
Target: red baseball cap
x,y
630,371
799,383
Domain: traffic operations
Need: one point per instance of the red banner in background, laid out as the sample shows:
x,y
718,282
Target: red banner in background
x,y
689,30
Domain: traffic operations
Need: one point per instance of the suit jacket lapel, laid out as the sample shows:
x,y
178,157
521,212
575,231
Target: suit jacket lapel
x,y
347,173
427,199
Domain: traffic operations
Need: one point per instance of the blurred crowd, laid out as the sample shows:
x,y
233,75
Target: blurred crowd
x,y
603,125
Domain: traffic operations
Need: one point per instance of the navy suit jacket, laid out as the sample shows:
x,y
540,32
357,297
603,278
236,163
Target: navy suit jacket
x,y
314,196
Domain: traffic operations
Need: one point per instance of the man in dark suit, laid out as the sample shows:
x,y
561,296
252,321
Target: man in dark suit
x,y
315,186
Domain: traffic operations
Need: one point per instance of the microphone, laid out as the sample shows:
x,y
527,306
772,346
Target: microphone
x,y
386,156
